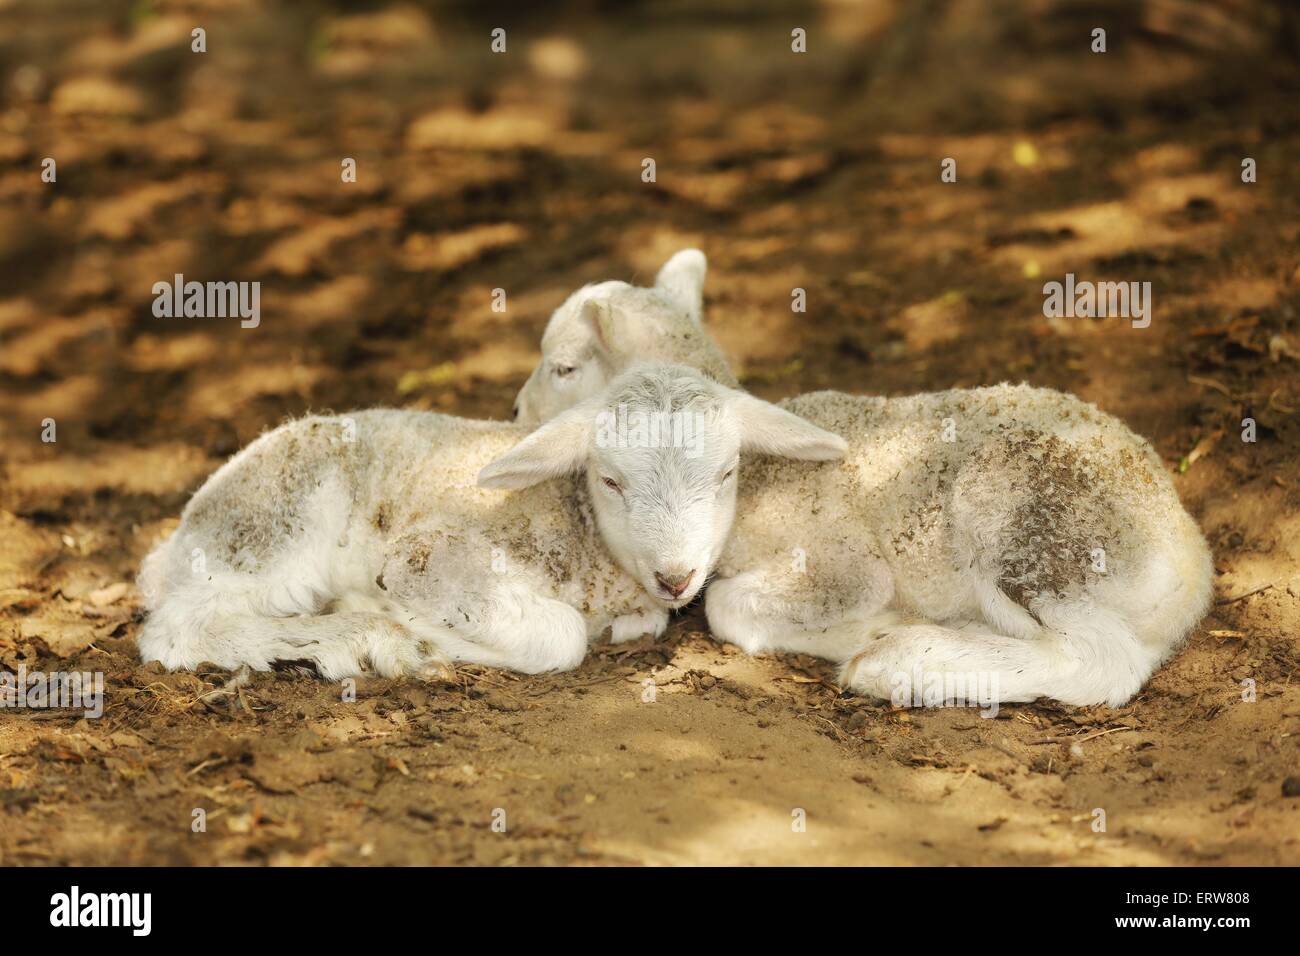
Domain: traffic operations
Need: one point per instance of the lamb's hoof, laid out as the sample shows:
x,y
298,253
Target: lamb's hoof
x,y
865,677
436,672
629,627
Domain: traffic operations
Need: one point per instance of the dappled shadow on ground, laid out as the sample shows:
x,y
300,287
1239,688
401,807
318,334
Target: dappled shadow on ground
x,y
522,172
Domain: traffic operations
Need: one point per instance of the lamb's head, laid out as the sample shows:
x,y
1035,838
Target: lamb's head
x,y
661,446
601,330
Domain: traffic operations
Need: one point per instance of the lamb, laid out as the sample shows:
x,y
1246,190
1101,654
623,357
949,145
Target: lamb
x,y
602,329
360,544
1011,534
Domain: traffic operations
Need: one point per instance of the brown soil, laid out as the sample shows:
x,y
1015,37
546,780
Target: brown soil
x,y
522,171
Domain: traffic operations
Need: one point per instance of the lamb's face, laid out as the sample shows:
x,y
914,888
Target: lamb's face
x,y
576,361
603,329
661,446
661,472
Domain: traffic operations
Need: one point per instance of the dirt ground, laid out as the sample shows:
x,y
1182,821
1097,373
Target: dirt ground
x,y
522,171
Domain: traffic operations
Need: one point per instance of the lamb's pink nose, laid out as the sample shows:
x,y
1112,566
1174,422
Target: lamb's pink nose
x,y
674,585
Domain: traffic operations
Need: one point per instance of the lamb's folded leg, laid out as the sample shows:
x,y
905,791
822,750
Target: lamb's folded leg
x,y
340,645
775,610
509,626
1087,656
495,621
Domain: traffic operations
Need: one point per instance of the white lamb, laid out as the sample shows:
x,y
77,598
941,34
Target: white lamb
x,y
1011,533
590,339
361,543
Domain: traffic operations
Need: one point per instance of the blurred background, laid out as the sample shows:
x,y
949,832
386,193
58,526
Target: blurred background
x,y
522,171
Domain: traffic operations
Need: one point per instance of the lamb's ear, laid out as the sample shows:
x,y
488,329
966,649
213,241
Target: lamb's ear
x,y
773,431
599,315
556,448
682,280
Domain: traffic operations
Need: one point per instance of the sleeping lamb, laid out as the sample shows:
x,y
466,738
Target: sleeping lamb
x,y
360,542
1011,532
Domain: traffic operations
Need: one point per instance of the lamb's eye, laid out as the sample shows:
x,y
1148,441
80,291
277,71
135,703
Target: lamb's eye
x,y
612,485
723,479
564,371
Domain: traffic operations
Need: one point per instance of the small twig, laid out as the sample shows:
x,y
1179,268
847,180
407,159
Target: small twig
x,y
593,683
806,679
237,680
1072,740
1242,597
486,680
839,734
1192,712
1209,383
1103,733
214,762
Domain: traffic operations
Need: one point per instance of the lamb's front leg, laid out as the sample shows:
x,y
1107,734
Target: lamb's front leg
x,y
477,615
650,622
778,608
509,625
